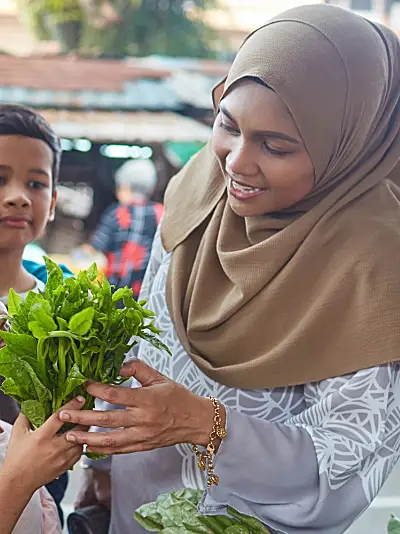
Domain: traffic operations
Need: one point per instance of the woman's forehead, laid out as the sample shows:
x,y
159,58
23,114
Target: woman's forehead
x,y
257,104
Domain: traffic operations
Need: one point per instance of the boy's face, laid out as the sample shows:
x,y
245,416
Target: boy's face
x,y
27,199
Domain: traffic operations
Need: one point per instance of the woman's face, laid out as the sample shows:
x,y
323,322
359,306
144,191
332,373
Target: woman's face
x,y
266,165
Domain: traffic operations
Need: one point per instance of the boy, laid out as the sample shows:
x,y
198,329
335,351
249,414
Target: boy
x,y
30,154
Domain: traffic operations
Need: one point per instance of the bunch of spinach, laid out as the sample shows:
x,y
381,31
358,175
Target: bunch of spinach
x,y
176,513
393,525
74,331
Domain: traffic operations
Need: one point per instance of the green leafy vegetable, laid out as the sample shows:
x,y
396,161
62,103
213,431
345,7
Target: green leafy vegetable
x,y
71,332
176,513
394,525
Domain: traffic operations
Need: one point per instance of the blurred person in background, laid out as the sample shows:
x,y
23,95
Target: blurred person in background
x,y
126,230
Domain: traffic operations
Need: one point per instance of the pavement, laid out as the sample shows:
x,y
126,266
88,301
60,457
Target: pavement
x,y
373,521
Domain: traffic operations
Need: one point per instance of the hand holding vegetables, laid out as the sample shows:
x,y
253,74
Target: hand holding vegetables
x,y
70,333
159,414
35,458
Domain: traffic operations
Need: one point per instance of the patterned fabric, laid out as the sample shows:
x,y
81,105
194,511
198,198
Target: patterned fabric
x,y
307,458
125,235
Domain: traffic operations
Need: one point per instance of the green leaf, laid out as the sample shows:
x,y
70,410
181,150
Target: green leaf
x,y
39,369
393,525
20,343
74,379
84,281
6,361
62,323
121,293
41,321
35,412
193,524
92,272
37,329
94,456
22,373
155,341
55,276
81,322
147,523
41,392
10,388
250,522
174,530
14,302
237,529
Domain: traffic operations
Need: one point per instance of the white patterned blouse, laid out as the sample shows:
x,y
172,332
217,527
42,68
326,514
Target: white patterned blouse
x,y
307,458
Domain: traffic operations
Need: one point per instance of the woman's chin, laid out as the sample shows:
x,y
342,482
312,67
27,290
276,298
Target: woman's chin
x,y
247,208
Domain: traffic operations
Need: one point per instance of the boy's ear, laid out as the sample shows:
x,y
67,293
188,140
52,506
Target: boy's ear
x,y
53,207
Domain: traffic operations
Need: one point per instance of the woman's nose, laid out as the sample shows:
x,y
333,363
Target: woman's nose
x,y
241,160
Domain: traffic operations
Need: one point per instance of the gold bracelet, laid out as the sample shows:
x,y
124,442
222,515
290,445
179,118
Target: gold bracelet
x,y
205,459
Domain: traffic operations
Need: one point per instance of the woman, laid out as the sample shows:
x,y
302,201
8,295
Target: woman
x,y
276,282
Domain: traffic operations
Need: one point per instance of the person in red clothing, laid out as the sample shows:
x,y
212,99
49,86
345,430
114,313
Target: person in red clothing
x,y
126,230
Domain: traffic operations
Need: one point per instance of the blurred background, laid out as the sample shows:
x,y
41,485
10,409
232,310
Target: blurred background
x,y
131,79
122,79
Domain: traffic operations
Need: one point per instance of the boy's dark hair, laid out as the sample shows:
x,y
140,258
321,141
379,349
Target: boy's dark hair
x,y
20,120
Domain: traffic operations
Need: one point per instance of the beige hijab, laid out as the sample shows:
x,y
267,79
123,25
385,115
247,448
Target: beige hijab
x,y
312,292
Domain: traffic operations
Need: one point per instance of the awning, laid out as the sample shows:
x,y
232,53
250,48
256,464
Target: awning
x,y
126,127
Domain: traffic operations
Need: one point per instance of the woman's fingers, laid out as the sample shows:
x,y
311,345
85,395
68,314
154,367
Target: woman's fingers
x,y
113,394
110,440
108,419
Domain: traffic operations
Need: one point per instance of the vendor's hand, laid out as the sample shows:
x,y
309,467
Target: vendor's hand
x,y
35,458
159,414
95,489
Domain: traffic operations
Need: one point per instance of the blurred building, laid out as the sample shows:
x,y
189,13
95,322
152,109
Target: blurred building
x,y
385,11
235,19
107,112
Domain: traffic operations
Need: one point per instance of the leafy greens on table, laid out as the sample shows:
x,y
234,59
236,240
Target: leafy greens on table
x,y
176,513
76,330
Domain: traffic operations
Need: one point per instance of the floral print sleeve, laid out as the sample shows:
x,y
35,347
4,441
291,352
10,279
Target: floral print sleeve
x,y
319,470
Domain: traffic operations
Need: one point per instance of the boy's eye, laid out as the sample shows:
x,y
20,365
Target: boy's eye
x,y
2,180
34,184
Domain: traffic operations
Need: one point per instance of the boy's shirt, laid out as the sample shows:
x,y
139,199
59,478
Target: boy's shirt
x,y
40,515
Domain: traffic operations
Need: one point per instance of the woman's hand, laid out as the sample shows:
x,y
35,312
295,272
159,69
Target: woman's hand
x,y
159,414
35,458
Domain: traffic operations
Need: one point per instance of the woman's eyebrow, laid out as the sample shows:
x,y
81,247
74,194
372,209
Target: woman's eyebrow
x,y
272,134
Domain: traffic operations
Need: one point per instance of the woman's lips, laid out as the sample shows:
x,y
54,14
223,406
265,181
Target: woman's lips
x,y
242,192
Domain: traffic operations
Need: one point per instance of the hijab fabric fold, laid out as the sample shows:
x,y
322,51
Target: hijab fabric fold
x,y
312,292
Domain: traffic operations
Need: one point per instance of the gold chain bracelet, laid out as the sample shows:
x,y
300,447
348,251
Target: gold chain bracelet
x,y
205,459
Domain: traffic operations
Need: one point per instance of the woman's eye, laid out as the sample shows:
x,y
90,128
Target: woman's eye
x,y
275,152
228,127
2,180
